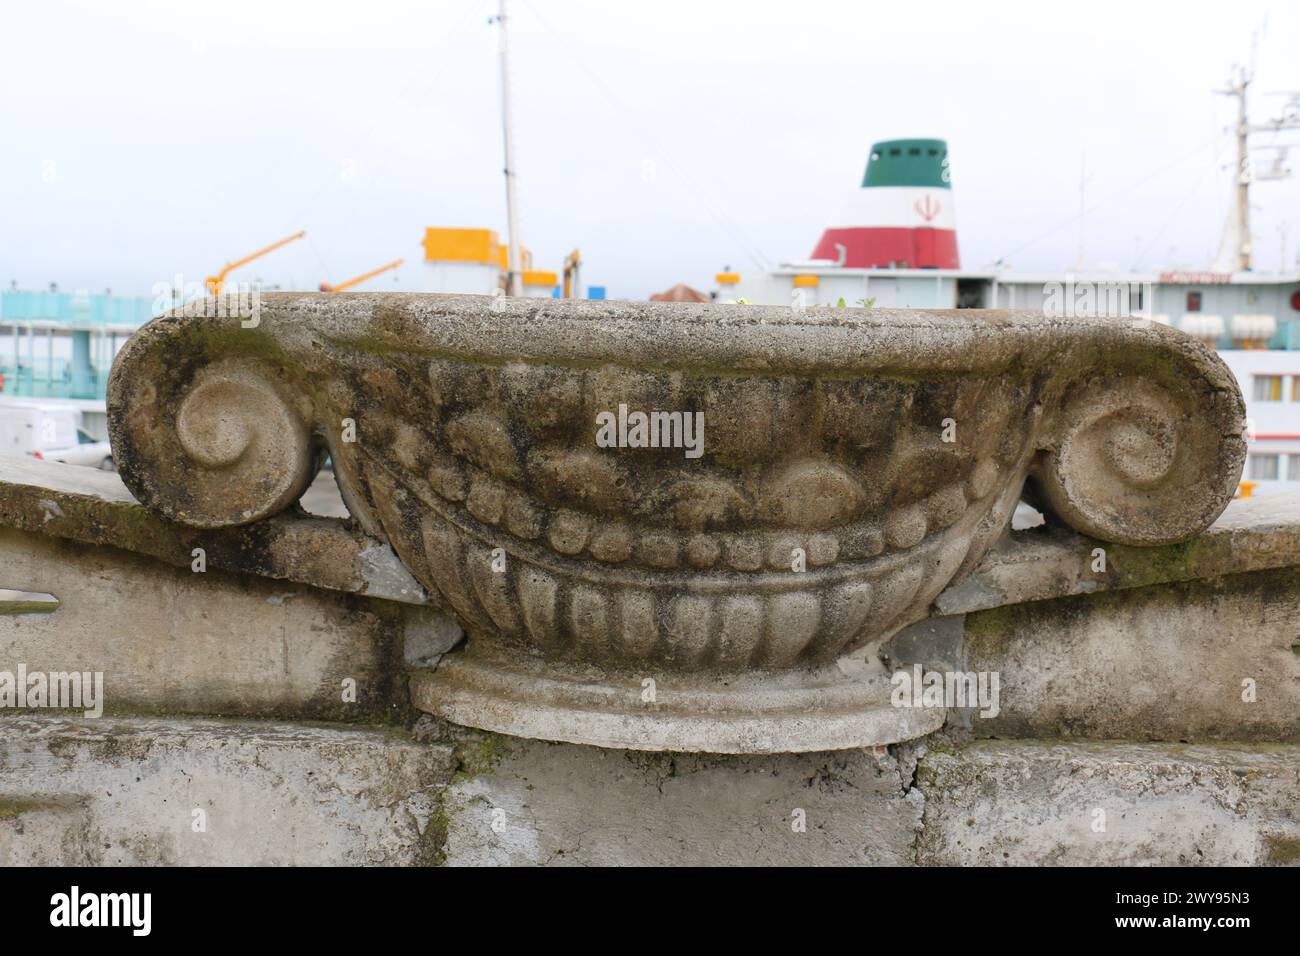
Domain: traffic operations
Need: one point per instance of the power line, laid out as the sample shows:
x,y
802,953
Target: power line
x,y
1165,225
333,178
1123,192
729,226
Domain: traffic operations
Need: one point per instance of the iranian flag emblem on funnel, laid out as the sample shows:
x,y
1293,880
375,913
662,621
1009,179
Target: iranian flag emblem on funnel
x,y
902,216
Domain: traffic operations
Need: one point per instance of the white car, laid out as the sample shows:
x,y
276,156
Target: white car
x,y
50,431
87,451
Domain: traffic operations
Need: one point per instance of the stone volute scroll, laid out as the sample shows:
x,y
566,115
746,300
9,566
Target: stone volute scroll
x,y
823,476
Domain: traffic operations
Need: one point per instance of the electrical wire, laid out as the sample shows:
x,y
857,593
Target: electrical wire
x,y
733,230
1116,195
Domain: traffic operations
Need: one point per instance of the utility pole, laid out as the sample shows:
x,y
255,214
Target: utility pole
x,y
1240,223
1236,252
512,210
1083,207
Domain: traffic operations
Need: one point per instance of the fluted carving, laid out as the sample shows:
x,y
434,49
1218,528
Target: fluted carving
x,y
851,463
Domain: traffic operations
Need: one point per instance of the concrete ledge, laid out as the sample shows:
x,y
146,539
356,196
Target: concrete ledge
x,y
525,802
1212,659
1202,660
1034,804
42,829
125,792
1045,563
1195,641
173,641
94,507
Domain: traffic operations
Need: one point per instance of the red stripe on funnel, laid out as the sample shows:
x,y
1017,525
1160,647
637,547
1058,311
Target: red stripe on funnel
x,y
870,247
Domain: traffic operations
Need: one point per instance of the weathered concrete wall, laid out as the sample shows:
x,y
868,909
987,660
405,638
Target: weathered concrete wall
x,y
176,641
125,792
1210,660
1031,803
532,802
1157,650
1024,802
1214,659
94,508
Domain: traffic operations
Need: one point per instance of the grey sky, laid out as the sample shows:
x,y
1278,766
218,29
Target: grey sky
x,y
664,139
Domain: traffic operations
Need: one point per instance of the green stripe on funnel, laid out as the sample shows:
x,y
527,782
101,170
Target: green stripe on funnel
x,y
908,162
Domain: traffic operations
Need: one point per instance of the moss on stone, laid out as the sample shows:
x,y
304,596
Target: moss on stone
x,y
1281,850
11,808
988,631
433,841
479,753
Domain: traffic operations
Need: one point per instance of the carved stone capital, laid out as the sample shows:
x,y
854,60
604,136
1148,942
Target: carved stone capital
x,y
853,464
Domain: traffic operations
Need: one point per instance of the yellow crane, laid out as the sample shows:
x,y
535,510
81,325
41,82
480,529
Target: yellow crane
x,y
218,282
326,287
572,265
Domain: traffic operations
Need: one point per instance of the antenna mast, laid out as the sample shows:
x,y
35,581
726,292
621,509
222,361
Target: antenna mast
x,y
512,209
1244,174
1236,253
1083,206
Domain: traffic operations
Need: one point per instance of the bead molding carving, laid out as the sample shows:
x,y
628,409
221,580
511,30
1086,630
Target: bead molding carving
x,y
475,429
826,436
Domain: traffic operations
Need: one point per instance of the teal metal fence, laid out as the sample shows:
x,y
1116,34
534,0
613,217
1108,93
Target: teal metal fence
x,y
62,344
74,308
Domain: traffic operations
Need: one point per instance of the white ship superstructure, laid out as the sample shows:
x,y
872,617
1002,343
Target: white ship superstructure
x,y
1252,318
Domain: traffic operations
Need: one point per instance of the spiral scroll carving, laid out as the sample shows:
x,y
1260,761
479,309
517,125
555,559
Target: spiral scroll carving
x,y
827,505
1140,463
227,448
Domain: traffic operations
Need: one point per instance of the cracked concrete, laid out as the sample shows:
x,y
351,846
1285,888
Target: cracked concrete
x,y
126,791
1034,803
1207,660
212,643
565,804
182,793
1024,802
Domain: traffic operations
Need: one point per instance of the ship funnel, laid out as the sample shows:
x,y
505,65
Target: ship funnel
x,y
902,216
